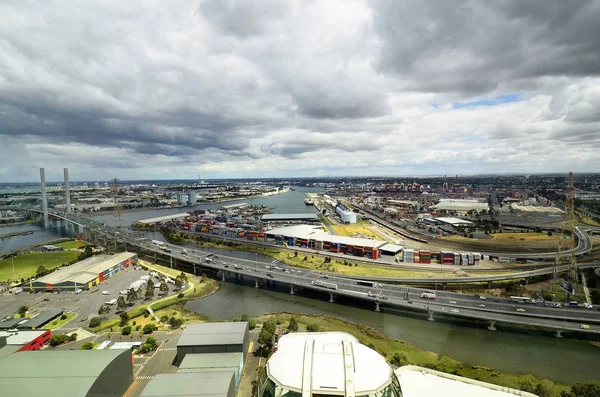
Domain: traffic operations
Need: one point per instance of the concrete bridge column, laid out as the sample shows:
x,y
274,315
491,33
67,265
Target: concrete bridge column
x,y
489,285
444,285
223,276
492,327
256,285
558,333
291,290
331,297
527,281
431,316
377,307
171,261
125,245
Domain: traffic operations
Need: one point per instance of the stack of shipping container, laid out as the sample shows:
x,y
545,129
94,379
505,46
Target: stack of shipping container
x,y
425,256
409,255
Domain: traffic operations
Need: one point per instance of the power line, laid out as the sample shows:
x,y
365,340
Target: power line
x,y
565,254
117,215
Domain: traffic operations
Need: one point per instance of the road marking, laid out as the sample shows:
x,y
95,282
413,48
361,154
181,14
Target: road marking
x,y
144,377
167,349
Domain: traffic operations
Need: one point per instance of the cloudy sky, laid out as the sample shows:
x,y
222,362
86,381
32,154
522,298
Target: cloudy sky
x,y
169,89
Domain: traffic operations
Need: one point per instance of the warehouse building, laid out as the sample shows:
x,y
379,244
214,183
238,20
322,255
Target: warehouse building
x,y
26,340
213,338
56,373
40,320
460,206
214,362
305,218
84,274
210,384
165,218
308,236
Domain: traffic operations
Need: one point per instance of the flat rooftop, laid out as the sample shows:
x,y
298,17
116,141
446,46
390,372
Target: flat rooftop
x,y
207,384
211,360
206,334
22,337
423,382
231,206
86,270
537,208
164,218
290,217
460,205
310,232
453,221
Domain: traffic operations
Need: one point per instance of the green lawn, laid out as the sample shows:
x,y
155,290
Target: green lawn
x,y
27,264
58,322
72,244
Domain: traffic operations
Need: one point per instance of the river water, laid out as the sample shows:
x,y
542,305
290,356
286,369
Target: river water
x,y
561,360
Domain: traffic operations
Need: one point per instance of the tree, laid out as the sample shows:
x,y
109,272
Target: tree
x,y
180,295
164,287
293,325
251,323
313,327
104,309
178,282
124,318
399,359
126,331
58,340
41,271
95,322
164,319
148,329
586,389
175,322
132,295
23,310
87,346
72,337
244,317
121,304
149,290
63,317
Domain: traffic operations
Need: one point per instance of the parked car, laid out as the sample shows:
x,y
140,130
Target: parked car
x,y
454,310
105,293
520,310
584,326
481,305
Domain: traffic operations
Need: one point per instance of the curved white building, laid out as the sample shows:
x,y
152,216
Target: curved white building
x,y
336,364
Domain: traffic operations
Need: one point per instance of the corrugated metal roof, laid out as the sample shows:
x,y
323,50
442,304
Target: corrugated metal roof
x,y
207,384
11,323
202,334
211,360
272,217
53,373
315,233
21,338
41,319
86,270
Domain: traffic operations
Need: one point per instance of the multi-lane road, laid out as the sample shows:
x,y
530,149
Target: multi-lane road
x,y
491,310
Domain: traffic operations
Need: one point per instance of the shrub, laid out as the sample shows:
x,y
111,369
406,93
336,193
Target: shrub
x,y
63,317
58,340
87,346
399,359
72,337
164,319
251,323
148,329
313,327
126,330
293,325
95,322
180,295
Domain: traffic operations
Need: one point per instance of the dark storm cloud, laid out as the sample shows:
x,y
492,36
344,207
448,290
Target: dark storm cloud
x,y
472,47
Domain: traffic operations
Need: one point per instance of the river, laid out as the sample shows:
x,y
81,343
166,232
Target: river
x,y
562,360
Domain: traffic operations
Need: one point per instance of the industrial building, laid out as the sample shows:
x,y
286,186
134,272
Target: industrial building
x,y
182,198
58,373
159,219
346,215
460,206
26,340
214,362
335,363
192,197
307,218
209,384
35,322
446,220
213,338
84,274
315,238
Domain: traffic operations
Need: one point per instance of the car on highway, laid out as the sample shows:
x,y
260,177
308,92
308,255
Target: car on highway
x,y
267,267
270,275
482,297
587,305
78,291
584,326
454,310
452,302
521,310
482,305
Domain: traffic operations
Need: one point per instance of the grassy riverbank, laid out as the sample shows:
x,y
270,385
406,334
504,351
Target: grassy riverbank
x,y
408,354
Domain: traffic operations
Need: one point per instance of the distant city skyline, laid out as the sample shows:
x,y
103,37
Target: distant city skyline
x,y
257,89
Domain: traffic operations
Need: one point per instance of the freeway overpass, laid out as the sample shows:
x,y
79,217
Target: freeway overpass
x,y
383,296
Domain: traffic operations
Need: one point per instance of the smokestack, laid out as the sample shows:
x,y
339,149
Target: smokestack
x,y
44,199
67,192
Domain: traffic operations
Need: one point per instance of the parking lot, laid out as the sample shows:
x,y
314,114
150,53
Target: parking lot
x,y
85,304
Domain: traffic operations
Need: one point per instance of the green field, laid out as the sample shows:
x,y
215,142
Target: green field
x,y
72,244
26,265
